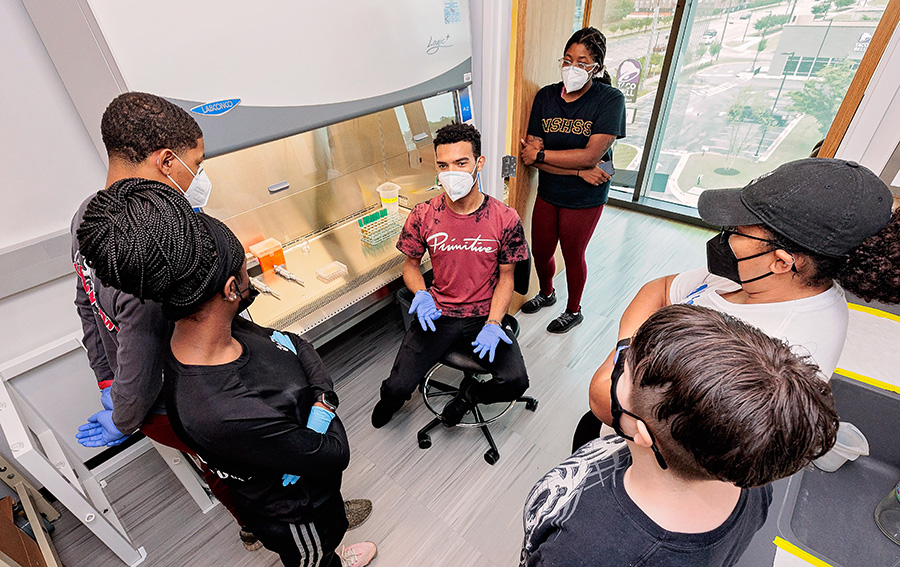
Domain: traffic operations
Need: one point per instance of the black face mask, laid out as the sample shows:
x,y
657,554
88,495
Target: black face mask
x,y
246,301
721,261
618,411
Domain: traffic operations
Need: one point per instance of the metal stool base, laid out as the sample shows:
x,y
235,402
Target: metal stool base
x,y
493,454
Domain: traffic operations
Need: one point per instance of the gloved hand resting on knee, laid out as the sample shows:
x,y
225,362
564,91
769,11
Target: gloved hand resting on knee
x,y
425,309
488,338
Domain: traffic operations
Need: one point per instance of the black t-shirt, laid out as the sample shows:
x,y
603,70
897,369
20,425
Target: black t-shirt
x,y
568,126
247,420
580,514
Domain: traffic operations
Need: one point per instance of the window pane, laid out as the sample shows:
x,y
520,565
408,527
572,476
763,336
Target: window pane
x,y
637,33
765,96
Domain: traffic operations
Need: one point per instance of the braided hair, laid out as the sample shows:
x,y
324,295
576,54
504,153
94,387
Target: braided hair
x,y
143,238
595,42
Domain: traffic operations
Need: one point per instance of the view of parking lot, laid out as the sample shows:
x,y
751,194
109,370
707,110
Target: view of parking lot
x,y
758,84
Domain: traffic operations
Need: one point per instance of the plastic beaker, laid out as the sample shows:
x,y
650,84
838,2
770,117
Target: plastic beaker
x,y
389,193
850,444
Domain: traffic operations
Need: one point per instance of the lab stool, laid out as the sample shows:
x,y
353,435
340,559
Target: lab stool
x,y
443,381
463,360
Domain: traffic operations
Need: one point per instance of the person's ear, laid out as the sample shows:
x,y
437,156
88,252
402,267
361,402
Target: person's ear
x,y
642,437
231,291
783,263
165,159
479,164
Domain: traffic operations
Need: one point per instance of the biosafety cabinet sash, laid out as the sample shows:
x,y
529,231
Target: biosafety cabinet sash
x,y
252,72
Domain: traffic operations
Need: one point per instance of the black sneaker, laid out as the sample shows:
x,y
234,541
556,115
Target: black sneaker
x,y
382,414
534,304
565,322
455,410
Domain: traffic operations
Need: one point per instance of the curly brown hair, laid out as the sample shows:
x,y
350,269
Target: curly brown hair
x,y
873,270
457,132
136,124
726,401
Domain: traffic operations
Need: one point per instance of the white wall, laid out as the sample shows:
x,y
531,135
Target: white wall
x,y
49,166
491,22
874,132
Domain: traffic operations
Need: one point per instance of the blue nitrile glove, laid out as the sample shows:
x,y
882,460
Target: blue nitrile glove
x,y
283,340
319,419
487,339
106,397
289,479
425,309
100,431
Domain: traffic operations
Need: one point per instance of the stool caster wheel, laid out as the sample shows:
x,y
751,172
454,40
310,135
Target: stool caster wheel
x,y
531,405
492,457
424,441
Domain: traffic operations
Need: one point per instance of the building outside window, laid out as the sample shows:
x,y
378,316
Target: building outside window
x,y
755,84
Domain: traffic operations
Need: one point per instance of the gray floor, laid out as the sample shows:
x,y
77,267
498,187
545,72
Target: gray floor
x,y
439,507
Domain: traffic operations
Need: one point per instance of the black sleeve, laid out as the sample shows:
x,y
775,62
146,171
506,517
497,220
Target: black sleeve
x,y
91,334
139,378
91,339
256,434
535,127
610,118
316,374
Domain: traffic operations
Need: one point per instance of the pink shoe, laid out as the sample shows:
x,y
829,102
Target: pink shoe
x,y
358,554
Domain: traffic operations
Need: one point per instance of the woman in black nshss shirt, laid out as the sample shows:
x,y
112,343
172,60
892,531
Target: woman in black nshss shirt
x,y
570,134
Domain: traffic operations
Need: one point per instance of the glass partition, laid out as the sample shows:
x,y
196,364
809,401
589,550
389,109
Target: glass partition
x,y
637,34
757,85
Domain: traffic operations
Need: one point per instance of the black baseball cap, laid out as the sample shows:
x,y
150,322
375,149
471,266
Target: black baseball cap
x,y
828,206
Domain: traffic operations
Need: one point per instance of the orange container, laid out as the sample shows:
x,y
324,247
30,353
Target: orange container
x,y
269,253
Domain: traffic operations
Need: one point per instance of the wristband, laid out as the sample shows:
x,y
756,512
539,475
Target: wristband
x,y
493,322
319,419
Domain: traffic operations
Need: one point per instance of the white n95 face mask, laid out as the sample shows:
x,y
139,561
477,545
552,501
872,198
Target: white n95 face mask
x,y
457,184
198,191
574,78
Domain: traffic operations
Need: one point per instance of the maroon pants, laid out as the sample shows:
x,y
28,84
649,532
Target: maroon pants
x,y
158,428
572,229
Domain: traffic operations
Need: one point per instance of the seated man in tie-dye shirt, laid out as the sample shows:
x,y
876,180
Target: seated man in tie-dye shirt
x,y
474,242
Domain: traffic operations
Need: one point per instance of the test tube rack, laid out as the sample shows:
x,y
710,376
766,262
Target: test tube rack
x,y
379,226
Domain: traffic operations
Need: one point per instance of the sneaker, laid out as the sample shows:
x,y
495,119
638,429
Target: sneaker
x,y
382,414
455,410
357,512
358,554
565,322
540,300
249,540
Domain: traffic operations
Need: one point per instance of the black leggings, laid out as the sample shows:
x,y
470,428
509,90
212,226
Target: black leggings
x,y
311,544
587,430
422,349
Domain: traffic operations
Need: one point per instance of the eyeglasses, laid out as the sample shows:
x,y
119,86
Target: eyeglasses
x,y
563,63
618,411
728,231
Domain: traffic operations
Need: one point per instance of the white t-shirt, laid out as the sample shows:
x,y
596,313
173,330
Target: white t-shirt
x,y
818,324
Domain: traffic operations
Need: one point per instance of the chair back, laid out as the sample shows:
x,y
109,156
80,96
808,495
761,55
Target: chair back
x,y
522,274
